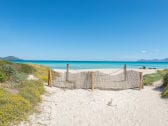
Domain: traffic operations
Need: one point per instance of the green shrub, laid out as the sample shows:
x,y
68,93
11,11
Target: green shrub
x,y
24,68
2,62
12,108
36,84
165,93
2,77
31,90
165,80
11,74
31,94
8,69
17,78
150,78
162,72
165,84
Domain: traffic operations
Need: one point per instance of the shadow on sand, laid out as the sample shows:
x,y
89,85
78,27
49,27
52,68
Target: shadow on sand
x,y
159,88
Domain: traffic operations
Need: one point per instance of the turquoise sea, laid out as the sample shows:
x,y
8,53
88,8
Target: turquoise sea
x,y
95,64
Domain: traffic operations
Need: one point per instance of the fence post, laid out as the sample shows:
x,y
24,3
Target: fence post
x,y
141,86
92,80
67,72
50,78
51,81
125,72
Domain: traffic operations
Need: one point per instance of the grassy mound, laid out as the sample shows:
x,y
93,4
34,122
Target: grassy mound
x,y
149,79
165,93
16,73
15,105
165,84
12,108
41,72
32,91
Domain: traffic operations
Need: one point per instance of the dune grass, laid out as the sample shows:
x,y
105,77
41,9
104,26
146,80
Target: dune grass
x,y
165,84
149,79
16,105
165,92
12,108
32,90
41,72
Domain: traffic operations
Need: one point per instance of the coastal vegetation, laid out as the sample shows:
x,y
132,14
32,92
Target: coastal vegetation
x,y
18,95
41,72
149,79
165,84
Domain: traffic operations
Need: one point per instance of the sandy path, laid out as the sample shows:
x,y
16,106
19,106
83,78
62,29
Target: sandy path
x,y
101,108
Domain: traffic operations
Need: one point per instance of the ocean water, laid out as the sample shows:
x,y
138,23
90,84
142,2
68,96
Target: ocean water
x,y
96,64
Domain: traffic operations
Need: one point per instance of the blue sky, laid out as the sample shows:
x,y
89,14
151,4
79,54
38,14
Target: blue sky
x,y
84,29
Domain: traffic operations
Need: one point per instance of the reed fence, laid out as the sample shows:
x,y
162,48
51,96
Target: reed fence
x,y
117,80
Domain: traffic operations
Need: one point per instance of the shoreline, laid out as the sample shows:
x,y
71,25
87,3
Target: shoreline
x,y
96,64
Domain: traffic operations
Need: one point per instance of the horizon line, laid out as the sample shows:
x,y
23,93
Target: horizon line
x,y
86,60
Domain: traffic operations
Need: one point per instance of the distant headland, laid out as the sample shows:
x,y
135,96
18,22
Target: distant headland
x,y
153,60
10,58
13,58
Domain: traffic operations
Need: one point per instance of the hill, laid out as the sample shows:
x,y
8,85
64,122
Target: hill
x,y
153,60
10,58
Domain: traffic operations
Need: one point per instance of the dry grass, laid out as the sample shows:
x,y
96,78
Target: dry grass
x,y
41,72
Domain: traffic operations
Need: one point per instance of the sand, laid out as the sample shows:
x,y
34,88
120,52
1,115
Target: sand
x,y
32,77
101,108
145,71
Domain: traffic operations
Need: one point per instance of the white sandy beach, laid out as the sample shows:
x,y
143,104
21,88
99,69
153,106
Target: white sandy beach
x,y
101,108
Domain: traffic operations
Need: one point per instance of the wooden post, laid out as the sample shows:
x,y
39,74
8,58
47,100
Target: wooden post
x,y
141,86
142,81
92,80
67,73
125,72
49,78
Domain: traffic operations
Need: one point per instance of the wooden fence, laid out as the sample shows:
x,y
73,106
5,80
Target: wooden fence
x,y
125,80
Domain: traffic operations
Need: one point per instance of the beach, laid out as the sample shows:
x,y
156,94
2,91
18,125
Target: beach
x,y
131,107
84,63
